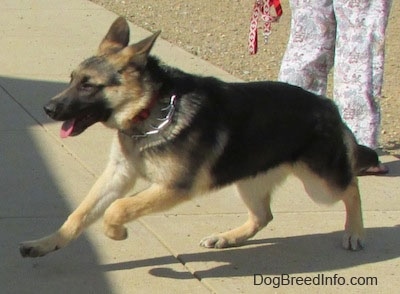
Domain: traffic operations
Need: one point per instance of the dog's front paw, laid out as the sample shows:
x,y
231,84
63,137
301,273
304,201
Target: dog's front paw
x,y
36,248
353,241
115,232
214,241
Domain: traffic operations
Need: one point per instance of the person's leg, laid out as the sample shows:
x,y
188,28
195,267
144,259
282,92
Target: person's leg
x,y
358,68
309,53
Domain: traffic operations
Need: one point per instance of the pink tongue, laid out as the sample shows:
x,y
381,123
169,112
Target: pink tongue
x,y
67,128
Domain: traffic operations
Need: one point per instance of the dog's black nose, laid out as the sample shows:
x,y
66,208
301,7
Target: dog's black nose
x,y
50,109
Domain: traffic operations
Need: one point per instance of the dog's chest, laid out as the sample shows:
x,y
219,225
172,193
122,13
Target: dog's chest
x,y
156,166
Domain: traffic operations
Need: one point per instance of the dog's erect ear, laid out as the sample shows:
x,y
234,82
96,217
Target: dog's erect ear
x,y
116,38
138,53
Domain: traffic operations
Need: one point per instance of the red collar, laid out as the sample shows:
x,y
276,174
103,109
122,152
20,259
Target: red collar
x,y
145,113
165,121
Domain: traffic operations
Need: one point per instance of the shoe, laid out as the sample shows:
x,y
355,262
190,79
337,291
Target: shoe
x,y
377,170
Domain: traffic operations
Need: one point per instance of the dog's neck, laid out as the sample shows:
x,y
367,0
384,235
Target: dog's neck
x,y
145,113
153,119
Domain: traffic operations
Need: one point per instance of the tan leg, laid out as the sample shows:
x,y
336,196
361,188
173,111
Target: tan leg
x,y
259,216
354,235
114,183
256,194
154,199
321,191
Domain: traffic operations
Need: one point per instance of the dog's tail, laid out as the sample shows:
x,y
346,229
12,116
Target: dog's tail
x,y
362,157
365,158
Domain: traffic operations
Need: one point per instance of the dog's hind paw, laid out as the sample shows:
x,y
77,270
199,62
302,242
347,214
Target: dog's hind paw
x,y
214,241
353,241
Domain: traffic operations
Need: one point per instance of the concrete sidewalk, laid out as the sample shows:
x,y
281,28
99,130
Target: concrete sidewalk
x,y
43,178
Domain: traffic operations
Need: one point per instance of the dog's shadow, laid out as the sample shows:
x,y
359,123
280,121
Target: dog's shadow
x,y
291,255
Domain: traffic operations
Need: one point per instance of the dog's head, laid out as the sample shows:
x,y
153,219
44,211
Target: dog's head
x,y
108,87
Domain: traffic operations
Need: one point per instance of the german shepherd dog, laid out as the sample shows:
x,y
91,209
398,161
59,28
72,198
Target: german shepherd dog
x,y
187,135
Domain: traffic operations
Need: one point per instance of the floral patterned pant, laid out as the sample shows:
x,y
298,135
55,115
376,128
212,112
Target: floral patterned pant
x,y
348,34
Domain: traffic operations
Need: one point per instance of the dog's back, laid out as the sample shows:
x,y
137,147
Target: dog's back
x,y
264,124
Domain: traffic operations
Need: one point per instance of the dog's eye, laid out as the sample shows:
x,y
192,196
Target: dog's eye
x,y
87,86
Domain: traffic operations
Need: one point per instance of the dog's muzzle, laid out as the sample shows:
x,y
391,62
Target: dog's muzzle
x,y
52,109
